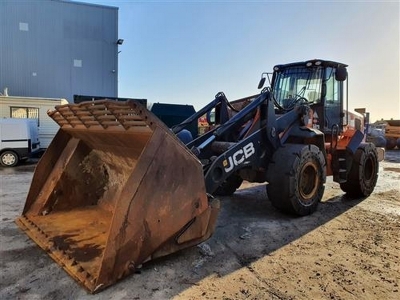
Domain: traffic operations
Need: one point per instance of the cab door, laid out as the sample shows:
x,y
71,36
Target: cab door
x,y
333,103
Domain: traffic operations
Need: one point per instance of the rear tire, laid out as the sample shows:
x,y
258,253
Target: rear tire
x,y
296,178
363,175
229,186
9,159
390,143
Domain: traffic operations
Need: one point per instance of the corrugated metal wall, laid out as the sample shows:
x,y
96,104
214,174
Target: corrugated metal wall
x,y
58,48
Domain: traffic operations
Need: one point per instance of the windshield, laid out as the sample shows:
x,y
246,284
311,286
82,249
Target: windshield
x,y
294,84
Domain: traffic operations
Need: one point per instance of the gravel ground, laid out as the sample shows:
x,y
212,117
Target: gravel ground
x,y
348,249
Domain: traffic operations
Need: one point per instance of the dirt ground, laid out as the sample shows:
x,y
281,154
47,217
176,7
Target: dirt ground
x,y
348,249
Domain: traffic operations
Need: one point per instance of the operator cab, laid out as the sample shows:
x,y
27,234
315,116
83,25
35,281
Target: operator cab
x,y
318,83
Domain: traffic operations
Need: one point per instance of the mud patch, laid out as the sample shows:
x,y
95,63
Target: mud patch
x,y
107,174
9,231
392,169
96,174
20,254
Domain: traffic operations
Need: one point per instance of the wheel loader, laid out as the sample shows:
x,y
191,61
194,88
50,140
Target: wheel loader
x,y
117,188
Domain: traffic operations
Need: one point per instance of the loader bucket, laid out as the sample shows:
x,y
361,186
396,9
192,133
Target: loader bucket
x,y
114,189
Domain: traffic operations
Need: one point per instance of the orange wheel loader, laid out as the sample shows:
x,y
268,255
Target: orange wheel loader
x,y
117,188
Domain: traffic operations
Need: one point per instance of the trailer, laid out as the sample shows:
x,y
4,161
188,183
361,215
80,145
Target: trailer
x,y
392,134
33,108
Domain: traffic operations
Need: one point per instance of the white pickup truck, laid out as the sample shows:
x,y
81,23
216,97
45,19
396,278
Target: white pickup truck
x,y
19,140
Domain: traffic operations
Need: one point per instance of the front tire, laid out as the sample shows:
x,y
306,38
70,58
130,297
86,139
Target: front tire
x,y
363,175
9,159
229,186
390,143
296,178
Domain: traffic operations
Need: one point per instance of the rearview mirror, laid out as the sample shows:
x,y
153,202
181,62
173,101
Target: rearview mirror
x,y
341,73
261,83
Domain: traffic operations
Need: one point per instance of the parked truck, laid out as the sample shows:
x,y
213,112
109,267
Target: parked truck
x,y
19,140
117,188
392,134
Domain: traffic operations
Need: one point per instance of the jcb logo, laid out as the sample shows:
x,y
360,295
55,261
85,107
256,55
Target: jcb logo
x,y
239,157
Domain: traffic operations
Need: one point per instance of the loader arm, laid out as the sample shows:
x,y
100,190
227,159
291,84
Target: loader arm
x,y
253,151
220,100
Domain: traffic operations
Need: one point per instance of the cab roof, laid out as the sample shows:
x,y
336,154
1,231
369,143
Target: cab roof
x,y
312,62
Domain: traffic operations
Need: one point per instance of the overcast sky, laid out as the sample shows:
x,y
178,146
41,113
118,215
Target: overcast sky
x,y
187,51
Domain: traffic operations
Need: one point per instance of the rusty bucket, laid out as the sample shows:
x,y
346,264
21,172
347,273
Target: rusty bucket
x,y
114,189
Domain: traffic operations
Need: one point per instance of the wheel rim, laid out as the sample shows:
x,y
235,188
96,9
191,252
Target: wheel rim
x,y
8,159
308,183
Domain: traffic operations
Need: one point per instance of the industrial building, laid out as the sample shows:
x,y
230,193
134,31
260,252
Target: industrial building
x,y
56,49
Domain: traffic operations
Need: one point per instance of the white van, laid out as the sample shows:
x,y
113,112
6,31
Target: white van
x,y
19,140
35,108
